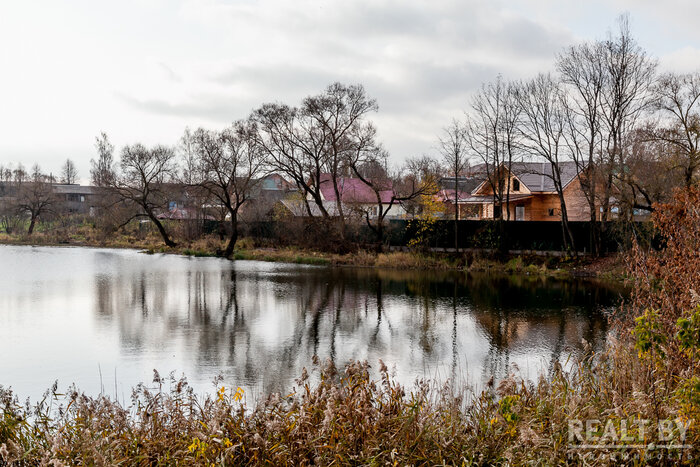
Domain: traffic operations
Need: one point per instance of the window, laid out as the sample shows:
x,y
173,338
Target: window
x,y
497,212
516,184
551,212
470,211
520,213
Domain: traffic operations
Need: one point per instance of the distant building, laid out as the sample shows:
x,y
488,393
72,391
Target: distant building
x,y
67,198
76,199
264,194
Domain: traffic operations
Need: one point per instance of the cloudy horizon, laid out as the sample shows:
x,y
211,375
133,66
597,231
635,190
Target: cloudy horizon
x,y
143,71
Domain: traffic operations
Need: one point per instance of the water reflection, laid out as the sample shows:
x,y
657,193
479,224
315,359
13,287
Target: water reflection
x,y
258,324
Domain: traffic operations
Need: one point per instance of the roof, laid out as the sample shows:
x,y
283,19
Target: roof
x,y
537,176
466,184
273,182
352,190
74,189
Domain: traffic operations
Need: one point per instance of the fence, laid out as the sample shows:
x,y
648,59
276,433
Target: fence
x,y
513,235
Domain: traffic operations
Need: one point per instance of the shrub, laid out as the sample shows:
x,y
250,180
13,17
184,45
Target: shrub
x,y
245,243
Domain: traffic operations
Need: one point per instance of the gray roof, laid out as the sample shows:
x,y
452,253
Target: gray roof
x,y
75,189
464,184
537,176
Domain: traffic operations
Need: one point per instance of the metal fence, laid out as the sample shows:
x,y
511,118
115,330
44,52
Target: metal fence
x,y
512,235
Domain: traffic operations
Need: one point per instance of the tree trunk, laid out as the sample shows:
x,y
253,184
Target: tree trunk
x,y
380,234
233,237
319,202
456,214
595,233
166,238
339,207
566,229
31,225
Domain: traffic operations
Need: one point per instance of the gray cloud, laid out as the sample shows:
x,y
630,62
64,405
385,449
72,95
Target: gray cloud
x,y
215,108
145,70
277,81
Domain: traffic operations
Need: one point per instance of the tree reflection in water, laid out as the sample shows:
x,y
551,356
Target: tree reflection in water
x,y
260,323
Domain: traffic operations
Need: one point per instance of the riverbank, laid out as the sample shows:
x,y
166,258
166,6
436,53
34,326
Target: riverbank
x,y
607,268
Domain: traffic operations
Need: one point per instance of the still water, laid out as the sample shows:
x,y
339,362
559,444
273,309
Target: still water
x,y
105,319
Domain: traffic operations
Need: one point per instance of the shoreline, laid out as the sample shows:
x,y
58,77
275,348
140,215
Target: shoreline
x,y
607,268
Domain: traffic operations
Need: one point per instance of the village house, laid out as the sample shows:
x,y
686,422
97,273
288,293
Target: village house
x,y
531,194
77,199
356,197
66,198
265,193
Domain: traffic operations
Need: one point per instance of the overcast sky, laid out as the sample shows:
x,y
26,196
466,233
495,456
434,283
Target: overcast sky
x,y
144,70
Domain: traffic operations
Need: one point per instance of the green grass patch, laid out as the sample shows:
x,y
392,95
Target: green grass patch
x,y
198,253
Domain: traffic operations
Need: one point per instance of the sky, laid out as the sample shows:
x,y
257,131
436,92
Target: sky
x,y
143,71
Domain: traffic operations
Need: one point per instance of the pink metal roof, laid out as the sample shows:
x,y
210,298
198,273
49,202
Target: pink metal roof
x,y
352,190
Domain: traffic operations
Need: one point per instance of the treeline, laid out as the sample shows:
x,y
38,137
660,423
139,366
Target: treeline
x,y
631,132
325,138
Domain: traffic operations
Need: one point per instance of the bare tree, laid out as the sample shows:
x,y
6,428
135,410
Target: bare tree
x,y
677,97
543,127
337,115
188,155
453,147
583,73
5,174
390,189
289,150
229,164
142,182
492,137
317,138
35,197
102,171
629,73
19,174
650,173
69,174
10,219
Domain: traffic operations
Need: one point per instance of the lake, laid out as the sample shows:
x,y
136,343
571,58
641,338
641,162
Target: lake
x,y
104,319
